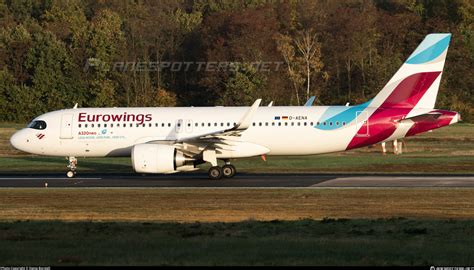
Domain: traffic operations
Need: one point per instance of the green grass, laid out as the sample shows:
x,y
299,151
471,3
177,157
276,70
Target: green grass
x,y
304,242
38,164
361,163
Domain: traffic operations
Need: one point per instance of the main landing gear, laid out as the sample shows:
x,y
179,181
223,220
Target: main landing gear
x,y
227,171
72,167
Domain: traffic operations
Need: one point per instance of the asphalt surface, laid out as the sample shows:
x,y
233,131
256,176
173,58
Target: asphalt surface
x,y
263,180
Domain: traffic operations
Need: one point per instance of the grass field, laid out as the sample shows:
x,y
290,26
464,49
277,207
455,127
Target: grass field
x,y
446,150
304,242
233,205
236,226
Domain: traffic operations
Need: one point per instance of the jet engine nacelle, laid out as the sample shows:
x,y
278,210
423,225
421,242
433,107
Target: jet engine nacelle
x,y
156,158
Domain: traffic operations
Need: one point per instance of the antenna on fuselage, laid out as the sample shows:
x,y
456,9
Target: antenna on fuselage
x,y
347,104
75,106
270,104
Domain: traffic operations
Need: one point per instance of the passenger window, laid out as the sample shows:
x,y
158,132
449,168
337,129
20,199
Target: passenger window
x,y
260,124
85,125
92,125
222,124
79,125
343,123
253,124
169,124
299,123
279,123
105,125
286,123
98,125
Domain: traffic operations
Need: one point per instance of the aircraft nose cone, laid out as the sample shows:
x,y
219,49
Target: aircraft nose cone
x,y
18,141
15,141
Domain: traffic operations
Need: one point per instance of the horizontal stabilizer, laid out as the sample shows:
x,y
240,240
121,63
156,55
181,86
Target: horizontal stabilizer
x,y
423,117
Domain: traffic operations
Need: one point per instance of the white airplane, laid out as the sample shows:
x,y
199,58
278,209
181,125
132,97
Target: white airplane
x,y
169,140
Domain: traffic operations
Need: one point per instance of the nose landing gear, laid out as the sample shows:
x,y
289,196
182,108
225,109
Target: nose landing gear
x,y
72,167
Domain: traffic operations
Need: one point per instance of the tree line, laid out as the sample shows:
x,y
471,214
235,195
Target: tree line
x,y
55,53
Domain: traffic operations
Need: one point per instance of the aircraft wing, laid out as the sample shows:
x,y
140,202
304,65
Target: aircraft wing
x,y
220,140
241,126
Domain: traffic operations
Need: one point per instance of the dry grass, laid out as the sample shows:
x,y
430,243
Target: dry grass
x,y
230,205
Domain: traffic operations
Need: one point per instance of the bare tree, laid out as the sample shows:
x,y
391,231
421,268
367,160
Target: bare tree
x,y
302,56
310,50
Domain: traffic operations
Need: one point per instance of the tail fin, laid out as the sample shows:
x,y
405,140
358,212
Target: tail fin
x,y
416,83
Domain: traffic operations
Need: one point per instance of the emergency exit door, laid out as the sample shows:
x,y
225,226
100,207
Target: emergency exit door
x,y
66,126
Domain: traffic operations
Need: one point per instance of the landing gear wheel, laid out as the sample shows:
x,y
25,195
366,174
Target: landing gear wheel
x,y
71,174
215,173
72,167
228,170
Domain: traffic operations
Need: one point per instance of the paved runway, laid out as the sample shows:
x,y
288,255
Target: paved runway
x,y
270,180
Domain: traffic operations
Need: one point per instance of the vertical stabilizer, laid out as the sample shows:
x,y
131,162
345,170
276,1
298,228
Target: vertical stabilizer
x,y
416,83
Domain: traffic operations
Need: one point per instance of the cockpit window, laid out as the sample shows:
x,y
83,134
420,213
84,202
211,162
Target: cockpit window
x,y
38,124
